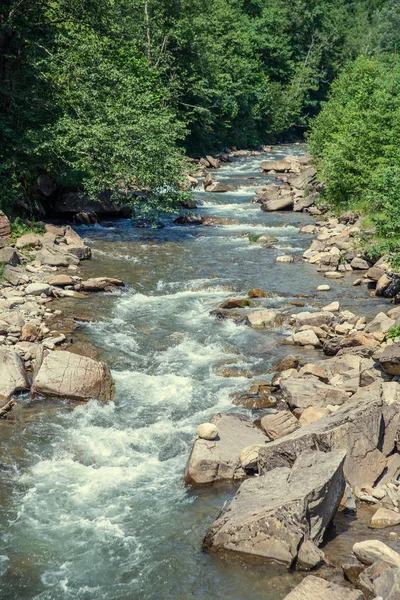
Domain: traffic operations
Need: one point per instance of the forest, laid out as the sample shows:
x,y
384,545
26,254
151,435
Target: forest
x,y
110,95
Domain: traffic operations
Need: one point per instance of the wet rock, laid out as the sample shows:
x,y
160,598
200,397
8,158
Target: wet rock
x,y
390,359
285,259
218,460
352,571
233,372
67,375
289,362
12,374
257,293
323,288
207,431
254,401
315,588
301,203
385,517
370,551
303,393
279,424
333,275
99,284
262,318
235,303
189,220
272,516
365,429
218,187
282,202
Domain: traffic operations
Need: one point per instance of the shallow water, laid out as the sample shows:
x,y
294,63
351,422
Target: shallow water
x,y
92,499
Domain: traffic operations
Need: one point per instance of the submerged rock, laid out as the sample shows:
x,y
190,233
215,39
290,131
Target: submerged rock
x,y
283,514
67,375
219,460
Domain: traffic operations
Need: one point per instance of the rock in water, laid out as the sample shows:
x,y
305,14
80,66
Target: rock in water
x,y
12,374
370,551
67,375
315,588
219,460
283,514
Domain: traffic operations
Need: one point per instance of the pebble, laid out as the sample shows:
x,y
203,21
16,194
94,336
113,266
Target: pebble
x,y
323,288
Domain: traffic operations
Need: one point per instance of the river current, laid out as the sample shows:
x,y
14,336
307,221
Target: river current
x,y
92,500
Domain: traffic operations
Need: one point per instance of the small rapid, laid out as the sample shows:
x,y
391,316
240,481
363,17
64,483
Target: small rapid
x,y
92,500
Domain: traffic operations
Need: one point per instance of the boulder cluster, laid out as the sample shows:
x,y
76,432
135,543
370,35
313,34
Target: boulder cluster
x,y
37,269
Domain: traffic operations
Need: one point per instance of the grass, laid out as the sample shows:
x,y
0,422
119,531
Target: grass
x,y
393,333
21,227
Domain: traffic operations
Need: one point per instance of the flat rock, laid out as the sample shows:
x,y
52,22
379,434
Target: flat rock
x,y
262,318
219,460
311,414
54,258
306,338
36,289
12,374
279,424
315,319
359,264
384,517
367,430
274,515
315,588
60,280
67,375
302,393
275,165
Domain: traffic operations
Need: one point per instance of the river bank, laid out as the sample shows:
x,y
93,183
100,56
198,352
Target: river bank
x,y
121,506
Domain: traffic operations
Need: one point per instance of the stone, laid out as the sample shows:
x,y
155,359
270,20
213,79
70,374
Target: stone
x,y
304,179
257,293
315,588
60,280
30,331
54,258
366,429
207,431
301,203
306,338
67,375
284,259
302,393
36,289
214,162
249,457
218,460
370,551
359,264
29,240
272,516
235,303
279,424
333,275
218,187
387,585
374,273
380,323
12,374
382,285
332,307
262,318
311,414
323,288
392,469
315,370
390,359
8,256
275,165
289,362
315,319
385,517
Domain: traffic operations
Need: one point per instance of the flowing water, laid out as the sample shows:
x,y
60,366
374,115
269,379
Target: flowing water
x,y
92,500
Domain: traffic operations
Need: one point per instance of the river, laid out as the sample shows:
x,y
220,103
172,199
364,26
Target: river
x,y
92,500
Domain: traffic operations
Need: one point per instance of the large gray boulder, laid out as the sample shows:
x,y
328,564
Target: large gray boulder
x,y
313,319
315,588
303,393
219,460
281,202
12,374
275,165
67,375
367,430
283,515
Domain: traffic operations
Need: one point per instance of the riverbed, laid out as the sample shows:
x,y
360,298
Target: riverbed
x,y
93,504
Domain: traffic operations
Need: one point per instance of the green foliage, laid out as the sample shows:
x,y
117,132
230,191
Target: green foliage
x,y
20,227
393,333
109,95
